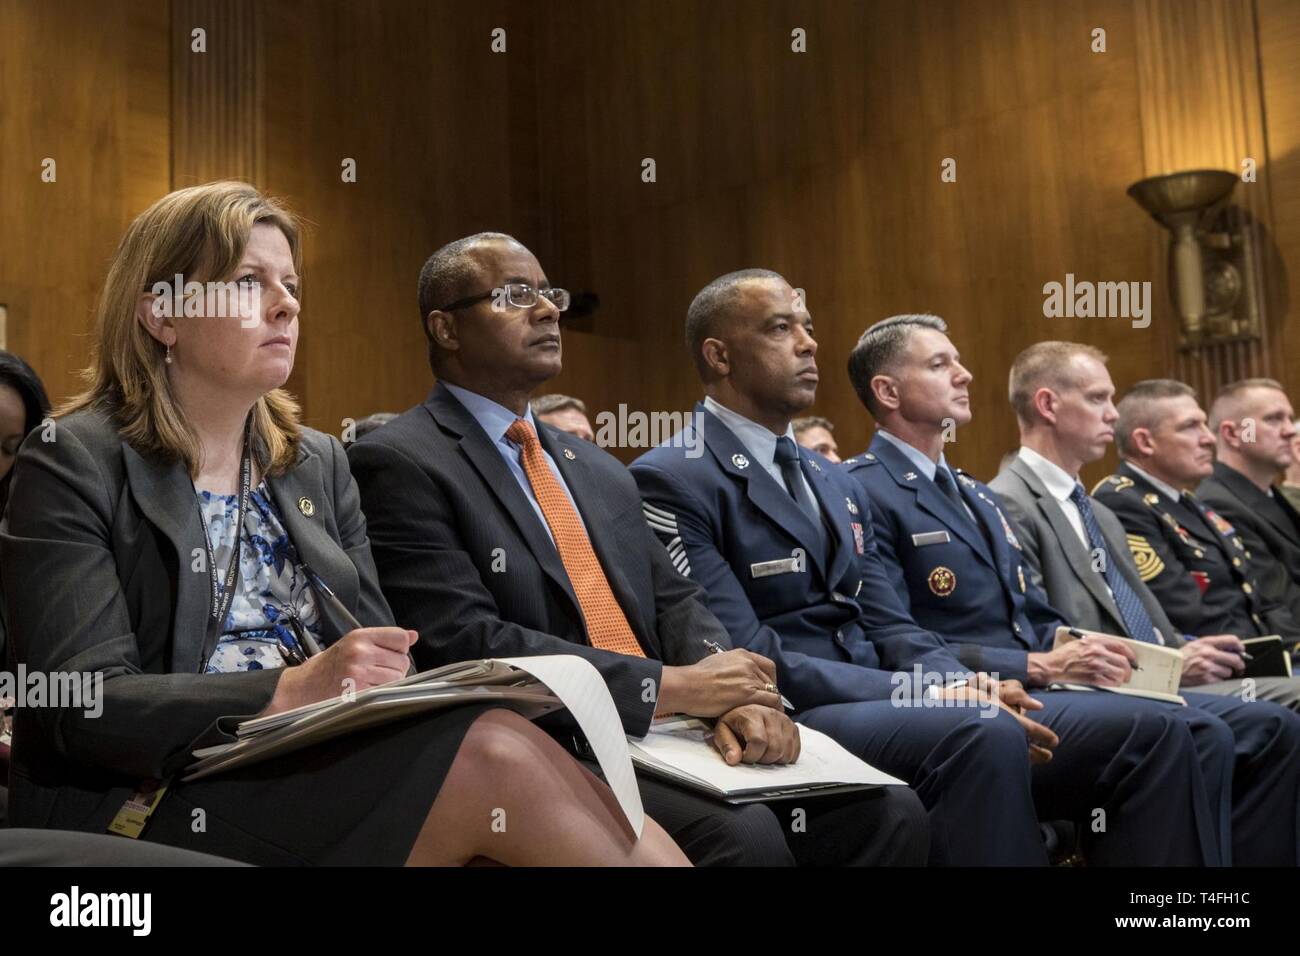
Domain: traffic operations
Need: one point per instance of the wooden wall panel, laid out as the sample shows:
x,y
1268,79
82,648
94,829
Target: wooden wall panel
x,y
1278,25
443,133
825,166
83,82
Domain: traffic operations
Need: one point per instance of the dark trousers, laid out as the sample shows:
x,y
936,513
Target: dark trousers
x,y
1265,778
1135,762
971,772
1139,776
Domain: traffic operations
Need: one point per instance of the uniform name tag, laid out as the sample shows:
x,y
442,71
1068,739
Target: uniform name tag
x,y
931,537
765,569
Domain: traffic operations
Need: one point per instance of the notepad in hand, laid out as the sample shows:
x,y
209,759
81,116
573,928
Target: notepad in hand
x,y
1271,658
1158,673
679,751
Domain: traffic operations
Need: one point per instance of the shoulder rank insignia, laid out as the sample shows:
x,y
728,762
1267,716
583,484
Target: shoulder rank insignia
x,y
966,479
814,465
853,509
942,581
1118,482
910,476
1148,561
740,461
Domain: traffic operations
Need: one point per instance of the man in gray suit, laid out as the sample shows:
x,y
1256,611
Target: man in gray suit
x,y
1075,545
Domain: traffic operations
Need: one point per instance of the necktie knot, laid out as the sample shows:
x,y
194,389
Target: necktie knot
x,y
1078,495
520,432
786,452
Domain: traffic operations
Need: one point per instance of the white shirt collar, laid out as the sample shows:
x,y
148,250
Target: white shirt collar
x,y
1060,483
1166,489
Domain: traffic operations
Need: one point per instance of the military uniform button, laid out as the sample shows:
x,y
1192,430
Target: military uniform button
x,y
1246,587
1236,562
837,596
839,636
1200,554
1016,627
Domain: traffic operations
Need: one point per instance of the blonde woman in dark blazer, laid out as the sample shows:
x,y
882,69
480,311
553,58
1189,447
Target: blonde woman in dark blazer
x,y
116,553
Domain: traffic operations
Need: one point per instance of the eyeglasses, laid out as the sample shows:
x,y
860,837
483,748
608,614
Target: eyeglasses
x,y
518,294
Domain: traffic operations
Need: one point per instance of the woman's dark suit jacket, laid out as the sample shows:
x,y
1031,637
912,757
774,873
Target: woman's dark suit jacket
x,y
100,557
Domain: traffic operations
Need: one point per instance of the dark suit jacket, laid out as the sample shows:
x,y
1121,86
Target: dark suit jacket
x,y
463,557
1201,574
1063,567
98,559
1269,526
827,623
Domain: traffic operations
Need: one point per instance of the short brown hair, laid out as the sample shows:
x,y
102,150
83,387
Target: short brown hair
x,y
1227,404
201,233
1043,365
1137,408
880,346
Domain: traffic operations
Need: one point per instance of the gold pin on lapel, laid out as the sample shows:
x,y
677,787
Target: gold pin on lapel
x,y
306,507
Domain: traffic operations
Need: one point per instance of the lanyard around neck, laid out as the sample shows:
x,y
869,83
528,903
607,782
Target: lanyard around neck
x,y
223,590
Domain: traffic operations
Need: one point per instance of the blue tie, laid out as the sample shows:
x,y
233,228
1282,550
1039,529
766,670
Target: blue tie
x,y
787,459
1136,620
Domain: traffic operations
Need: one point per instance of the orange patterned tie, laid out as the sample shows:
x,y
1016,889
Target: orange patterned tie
x,y
607,627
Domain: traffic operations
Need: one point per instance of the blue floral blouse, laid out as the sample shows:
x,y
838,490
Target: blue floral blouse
x,y
273,593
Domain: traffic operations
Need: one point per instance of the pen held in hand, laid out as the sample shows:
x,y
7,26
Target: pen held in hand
x,y
715,648
340,609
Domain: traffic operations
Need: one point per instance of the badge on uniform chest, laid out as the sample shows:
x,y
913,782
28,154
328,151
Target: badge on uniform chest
x,y
942,581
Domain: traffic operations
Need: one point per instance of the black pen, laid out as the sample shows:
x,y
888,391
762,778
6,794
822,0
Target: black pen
x,y
715,648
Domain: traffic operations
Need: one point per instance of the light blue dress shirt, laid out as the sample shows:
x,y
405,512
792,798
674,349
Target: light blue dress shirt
x,y
495,419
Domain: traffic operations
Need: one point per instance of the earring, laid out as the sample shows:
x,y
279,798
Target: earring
x,y
168,357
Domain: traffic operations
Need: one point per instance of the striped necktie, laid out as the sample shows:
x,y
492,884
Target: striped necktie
x,y
1136,620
